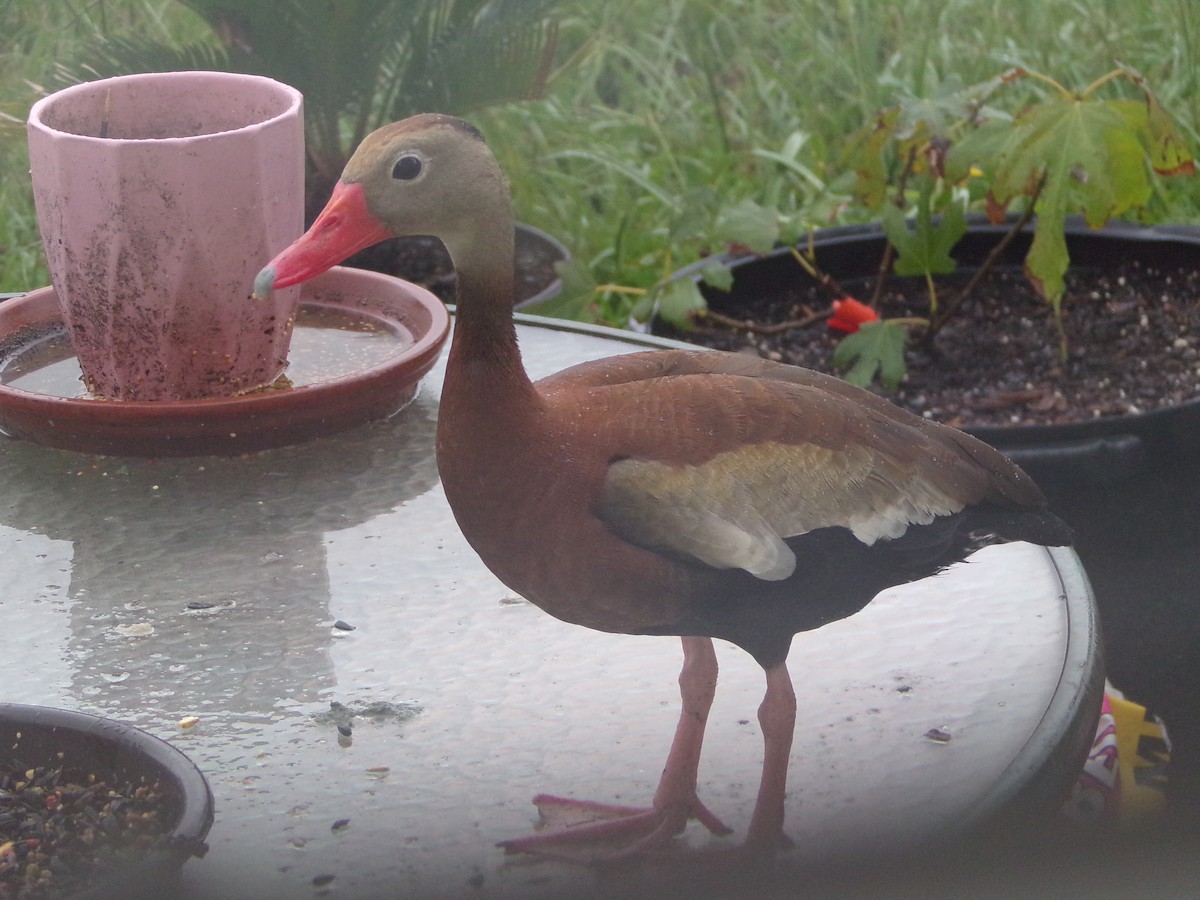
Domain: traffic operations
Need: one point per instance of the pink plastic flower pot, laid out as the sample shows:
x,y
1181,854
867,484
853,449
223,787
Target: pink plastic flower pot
x,y
158,197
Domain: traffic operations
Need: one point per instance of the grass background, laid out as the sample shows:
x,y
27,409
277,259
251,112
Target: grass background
x,y
664,115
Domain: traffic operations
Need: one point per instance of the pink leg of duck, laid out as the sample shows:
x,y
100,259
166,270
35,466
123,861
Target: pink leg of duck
x,y
675,800
777,718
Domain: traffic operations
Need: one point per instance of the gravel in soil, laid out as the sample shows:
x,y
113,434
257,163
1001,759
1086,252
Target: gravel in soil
x,y
1133,338
59,832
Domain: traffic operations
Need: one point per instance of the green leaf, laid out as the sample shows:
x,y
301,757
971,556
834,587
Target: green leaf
x,y
865,153
877,347
924,248
895,226
575,300
677,300
982,147
1084,155
941,110
1047,260
748,223
715,274
1087,153
693,221
881,148
788,158
643,307
1074,154
1163,144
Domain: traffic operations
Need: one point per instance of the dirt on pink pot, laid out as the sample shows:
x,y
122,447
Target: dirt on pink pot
x,y
158,197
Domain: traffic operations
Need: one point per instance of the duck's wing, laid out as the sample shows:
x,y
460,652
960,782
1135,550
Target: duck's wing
x,y
720,459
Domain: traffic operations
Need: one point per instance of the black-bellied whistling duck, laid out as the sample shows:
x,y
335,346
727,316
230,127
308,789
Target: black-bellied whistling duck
x,y
697,494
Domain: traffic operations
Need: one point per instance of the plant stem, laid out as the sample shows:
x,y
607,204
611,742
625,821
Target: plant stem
x,y
885,266
1063,345
1105,79
1046,79
758,327
889,252
824,279
105,114
619,289
989,262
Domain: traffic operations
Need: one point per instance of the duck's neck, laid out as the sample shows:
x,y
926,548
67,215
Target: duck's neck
x,y
484,373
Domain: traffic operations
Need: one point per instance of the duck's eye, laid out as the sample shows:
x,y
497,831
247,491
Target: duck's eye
x,y
407,168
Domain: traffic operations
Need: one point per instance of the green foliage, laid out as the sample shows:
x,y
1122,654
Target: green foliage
x,y
664,143
678,300
657,114
748,224
677,111
911,138
1073,152
876,348
745,225
717,275
925,248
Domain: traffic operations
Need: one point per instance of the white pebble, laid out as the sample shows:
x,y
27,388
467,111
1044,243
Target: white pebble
x,y
138,629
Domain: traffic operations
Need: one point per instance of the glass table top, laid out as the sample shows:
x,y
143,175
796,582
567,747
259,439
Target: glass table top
x,y
278,595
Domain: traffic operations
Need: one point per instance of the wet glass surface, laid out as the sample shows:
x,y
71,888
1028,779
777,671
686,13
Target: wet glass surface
x,y
154,590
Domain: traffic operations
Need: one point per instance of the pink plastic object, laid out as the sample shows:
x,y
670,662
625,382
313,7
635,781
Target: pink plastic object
x,y
159,197
233,425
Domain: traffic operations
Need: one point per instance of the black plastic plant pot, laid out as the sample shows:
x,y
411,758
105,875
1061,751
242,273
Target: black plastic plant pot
x,y
118,754
542,249
1129,485
424,260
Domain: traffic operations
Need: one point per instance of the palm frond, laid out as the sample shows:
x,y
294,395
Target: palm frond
x,y
121,56
477,54
487,66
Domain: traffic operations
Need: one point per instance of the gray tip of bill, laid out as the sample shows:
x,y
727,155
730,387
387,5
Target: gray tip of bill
x,y
264,283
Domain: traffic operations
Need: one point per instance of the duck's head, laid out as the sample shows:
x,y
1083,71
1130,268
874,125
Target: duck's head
x,y
429,174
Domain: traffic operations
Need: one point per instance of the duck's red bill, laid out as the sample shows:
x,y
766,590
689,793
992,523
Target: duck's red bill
x,y
344,226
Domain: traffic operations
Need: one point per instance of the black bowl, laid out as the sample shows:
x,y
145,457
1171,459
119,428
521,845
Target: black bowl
x,y
118,753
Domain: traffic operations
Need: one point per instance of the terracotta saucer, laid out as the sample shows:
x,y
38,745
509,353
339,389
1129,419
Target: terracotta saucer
x,y
362,343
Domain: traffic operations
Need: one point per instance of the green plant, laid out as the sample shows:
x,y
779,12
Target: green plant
x,y
645,113
1073,152
359,63
679,108
668,140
